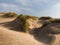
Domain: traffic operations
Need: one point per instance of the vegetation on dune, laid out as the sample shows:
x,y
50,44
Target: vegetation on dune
x,y
46,23
45,18
55,20
23,23
10,14
49,20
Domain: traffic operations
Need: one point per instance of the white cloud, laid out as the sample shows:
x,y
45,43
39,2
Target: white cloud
x,y
13,8
23,2
27,9
53,11
9,7
45,1
30,2
57,5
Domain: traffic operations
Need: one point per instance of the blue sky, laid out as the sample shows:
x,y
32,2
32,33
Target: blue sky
x,y
32,7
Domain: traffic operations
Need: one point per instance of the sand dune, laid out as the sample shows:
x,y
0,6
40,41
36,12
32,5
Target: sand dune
x,y
11,37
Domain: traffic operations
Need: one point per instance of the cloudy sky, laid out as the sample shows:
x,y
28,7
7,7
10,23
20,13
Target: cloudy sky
x,y
32,7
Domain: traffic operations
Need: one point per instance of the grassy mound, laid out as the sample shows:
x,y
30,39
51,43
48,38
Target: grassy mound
x,y
22,23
